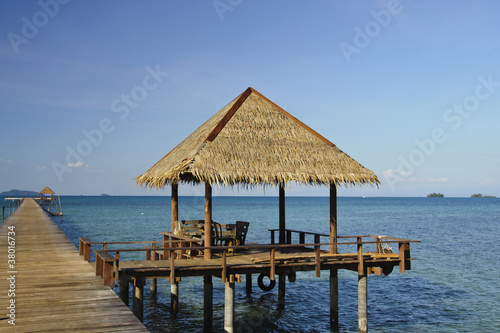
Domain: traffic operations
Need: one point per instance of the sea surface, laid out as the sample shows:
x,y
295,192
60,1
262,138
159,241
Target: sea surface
x,y
453,286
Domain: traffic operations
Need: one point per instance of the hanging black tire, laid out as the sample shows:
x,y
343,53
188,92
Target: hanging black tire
x,y
260,282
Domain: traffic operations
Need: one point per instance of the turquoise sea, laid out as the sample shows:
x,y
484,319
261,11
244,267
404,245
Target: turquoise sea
x,y
454,284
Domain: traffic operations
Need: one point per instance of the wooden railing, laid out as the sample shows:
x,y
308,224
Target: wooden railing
x,y
107,265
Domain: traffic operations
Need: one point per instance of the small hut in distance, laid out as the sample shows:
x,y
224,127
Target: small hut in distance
x,y
49,203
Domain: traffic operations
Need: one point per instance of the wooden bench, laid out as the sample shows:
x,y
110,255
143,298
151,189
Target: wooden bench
x,y
104,266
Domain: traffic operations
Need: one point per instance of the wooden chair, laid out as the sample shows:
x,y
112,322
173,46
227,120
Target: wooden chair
x,y
241,232
191,228
216,234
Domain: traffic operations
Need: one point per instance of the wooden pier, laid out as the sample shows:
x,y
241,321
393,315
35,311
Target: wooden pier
x,y
176,257
48,287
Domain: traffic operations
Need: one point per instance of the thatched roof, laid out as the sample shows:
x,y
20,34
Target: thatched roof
x,y
252,141
47,190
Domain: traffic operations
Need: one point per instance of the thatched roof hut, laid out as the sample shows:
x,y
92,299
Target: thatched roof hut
x,y
47,190
252,141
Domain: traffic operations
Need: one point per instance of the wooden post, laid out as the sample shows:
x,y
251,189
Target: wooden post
x,y
334,300
362,302
333,218
282,224
153,286
3,214
248,282
229,307
137,301
124,290
281,289
207,236
208,303
175,205
174,297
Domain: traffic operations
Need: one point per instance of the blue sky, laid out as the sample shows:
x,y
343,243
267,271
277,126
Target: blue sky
x,y
410,89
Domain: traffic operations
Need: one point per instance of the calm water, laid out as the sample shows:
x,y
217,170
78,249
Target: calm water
x,y
453,285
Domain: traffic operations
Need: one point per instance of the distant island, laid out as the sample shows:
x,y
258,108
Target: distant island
x,y
105,195
19,193
435,195
479,195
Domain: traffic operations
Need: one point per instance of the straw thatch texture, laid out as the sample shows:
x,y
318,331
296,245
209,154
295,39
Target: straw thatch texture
x,y
47,190
252,141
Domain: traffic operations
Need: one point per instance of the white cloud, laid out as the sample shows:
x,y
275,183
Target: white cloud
x,y
428,180
391,173
5,161
77,165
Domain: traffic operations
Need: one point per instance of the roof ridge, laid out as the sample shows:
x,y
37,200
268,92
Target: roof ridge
x,y
243,97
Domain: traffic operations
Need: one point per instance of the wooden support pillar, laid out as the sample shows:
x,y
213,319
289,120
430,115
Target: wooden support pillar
x,y
334,300
124,291
174,297
362,302
281,289
138,299
153,286
333,218
208,304
229,307
175,205
248,282
207,236
282,223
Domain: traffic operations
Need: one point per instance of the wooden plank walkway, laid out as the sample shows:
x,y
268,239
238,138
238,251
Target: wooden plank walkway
x,y
55,289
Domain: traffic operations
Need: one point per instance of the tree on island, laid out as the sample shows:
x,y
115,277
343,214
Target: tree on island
x,y
435,195
479,195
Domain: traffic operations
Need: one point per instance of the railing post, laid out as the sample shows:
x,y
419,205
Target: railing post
x,y
361,264
302,238
272,237
289,237
404,256
87,251
224,267
272,263
317,260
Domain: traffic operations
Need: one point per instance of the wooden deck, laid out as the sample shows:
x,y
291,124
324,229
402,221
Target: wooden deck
x,y
55,290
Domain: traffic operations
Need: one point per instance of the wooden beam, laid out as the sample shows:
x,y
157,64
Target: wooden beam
x,y
208,303
282,221
281,289
229,307
124,290
333,218
334,300
138,299
175,205
211,137
362,302
207,236
248,283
